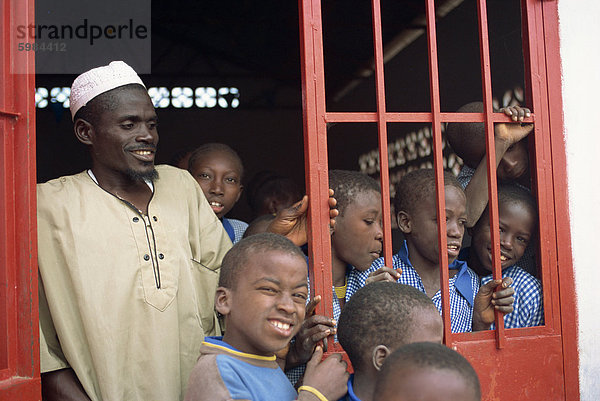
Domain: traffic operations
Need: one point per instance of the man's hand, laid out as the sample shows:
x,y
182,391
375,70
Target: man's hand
x,y
314,329
487,301
291,222
329,377
384,274
513,133
62,385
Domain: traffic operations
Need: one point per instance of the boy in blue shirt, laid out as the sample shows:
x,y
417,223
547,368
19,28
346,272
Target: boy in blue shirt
x,y
418,260
219,171
517,221
262,294
427,371
379,319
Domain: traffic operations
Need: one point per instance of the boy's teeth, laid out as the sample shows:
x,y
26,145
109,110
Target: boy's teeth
x,y
281,325
143,152
215,204
503,258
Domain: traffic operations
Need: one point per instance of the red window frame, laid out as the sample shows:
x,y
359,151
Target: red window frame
x,y
509,362
19,332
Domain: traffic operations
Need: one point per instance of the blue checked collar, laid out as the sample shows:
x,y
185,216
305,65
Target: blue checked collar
x,y
462,280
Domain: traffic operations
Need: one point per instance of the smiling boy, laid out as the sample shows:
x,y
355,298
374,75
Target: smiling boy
x,y
419,261
219,171
517,221
262,294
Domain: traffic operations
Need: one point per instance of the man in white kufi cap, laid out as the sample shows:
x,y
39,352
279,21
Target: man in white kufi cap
x,y
129,255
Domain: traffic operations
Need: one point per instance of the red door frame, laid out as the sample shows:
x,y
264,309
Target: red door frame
x,y
19,336
508,361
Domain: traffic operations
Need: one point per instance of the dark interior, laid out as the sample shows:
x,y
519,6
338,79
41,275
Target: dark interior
x,y
254,46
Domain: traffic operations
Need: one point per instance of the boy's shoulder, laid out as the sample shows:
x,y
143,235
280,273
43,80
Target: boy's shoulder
x,y
224,373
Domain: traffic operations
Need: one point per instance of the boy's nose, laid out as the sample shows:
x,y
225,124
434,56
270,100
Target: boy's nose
x,y
379,231
453,230
216,187
286,303
506,241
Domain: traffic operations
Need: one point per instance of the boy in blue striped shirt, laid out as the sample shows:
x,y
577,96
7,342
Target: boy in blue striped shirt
x,y
417,263
517,220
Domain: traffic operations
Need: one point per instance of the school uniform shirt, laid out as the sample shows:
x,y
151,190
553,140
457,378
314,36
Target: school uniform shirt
x,y
352,285
224,373
463,287
126,299
235,229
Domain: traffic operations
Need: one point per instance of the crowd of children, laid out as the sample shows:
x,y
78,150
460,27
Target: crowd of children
x,y
389,316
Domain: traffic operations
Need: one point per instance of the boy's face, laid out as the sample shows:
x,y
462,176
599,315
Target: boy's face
x,y
428,384
219,176
515,162
422,230
517,224
267,306
358,235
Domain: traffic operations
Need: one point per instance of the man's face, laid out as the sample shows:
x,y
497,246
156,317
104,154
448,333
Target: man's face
x,y
424,229
517,224
219,175
358,235
267,306
124,139
515,162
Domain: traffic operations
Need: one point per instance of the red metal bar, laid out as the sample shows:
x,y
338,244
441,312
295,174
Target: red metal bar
x,y
315,154
438,162
392,117
491,157
382,134
20,376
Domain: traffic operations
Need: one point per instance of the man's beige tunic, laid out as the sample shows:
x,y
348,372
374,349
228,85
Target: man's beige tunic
x,y
126,299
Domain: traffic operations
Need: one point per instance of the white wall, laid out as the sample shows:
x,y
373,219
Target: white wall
x,y
580,54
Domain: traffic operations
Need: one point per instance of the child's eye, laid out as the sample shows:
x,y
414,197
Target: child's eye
x,y
522,240
231,180
268,290
369,222
300,296
204,176
462,222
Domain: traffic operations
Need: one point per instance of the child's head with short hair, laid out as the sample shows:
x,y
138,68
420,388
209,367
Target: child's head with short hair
x,y
219,171
468,141
258,225
427,371
416,210
517,219
262,293
383,316
357,238
268,192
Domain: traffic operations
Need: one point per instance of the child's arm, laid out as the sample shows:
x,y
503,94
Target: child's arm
x,y
316,328
487,301
328,378
505,135
291,221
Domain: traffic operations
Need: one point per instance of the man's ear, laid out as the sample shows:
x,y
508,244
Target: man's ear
x,y
380,352
84,131
223,300
404,222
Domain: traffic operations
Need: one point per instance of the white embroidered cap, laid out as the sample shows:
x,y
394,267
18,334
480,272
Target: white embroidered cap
x,y
99,80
